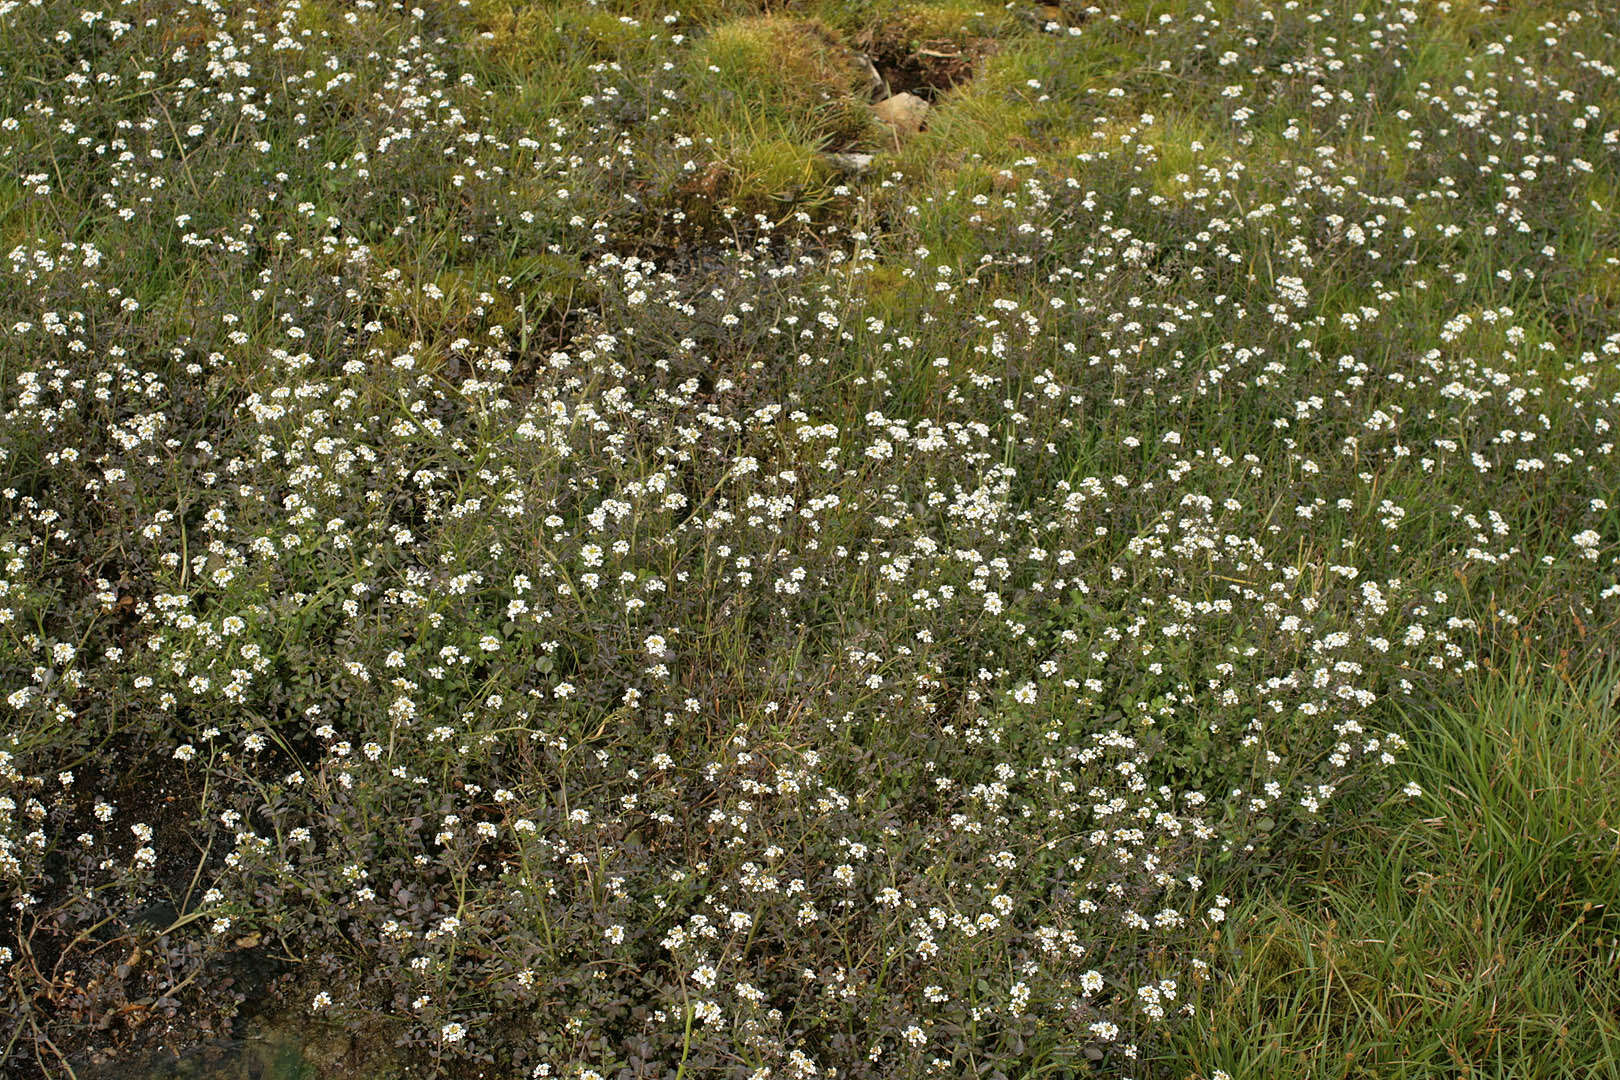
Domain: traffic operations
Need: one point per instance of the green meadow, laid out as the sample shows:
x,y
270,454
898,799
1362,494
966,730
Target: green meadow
x,y
809,539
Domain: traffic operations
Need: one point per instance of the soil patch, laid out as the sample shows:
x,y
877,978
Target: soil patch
x,y
924,68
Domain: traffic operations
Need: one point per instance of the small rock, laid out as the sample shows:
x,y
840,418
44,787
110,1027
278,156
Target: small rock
x,y
903,112
851,163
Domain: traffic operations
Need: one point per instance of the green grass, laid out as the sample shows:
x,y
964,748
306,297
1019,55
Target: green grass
x,y
1473,930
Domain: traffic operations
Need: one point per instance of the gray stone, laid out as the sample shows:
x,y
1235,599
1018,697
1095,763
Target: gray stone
x,y
851,162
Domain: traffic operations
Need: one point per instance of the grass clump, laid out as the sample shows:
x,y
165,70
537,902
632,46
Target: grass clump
x,y
1471,927
766,95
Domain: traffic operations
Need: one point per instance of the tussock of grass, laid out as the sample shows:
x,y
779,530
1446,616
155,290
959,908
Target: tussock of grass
x,y
1472,930
768,94
788,67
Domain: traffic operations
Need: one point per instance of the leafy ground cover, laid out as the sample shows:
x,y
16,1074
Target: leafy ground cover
x,y
547,539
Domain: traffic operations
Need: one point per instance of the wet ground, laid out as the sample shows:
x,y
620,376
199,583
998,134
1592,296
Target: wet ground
x,y
267,1052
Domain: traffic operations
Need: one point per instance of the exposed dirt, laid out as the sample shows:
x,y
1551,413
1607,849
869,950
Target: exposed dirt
x,y
924,68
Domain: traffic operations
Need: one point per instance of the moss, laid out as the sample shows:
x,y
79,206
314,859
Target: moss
x,y
777,166
526,36
755,176
766,94
887,291
773,71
